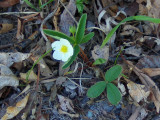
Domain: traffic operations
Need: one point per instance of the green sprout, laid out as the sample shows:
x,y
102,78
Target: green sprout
x,y
40,4
139,18
113,93
80,5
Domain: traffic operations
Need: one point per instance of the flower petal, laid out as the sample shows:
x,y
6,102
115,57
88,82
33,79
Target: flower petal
x,y
56,45
65,57
57,55
65,42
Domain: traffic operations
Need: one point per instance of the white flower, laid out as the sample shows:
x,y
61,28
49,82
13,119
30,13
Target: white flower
x,y
63,50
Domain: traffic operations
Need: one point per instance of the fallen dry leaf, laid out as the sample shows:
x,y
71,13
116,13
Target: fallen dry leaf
x,y
149,84
122,88
135,114
9,58
133,51
62,71
98,52
153,7
44,69
129,30
53,93
132,9
8,3
5,28
151,71
7,78
32,76
137,91
12,111
107,26
65,19
66,104
151,61
60,80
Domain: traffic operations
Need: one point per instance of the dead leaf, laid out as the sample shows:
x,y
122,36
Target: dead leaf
x,y
56,18
122,88
7,78
60,80
53,93
143,9
8,3
12,111
151,61
137,91
153,7
65,19
24,90
62,71
129,30
5,28
151,71
140,1
150,85
107,26
66,113
9,58
142,114
32,76
66,104
133,51
45,70
98,52
135,113
132,9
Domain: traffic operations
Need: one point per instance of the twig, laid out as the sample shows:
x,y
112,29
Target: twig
x,y
13,13
135,113
44,21
38,77
69,12
75,83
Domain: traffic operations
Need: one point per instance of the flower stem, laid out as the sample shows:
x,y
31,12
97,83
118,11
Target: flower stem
x,y
28,73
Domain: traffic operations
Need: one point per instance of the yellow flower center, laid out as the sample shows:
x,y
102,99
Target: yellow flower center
x,y
64,49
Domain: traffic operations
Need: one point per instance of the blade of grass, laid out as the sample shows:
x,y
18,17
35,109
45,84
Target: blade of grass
x,y
42,6
28,73
139,18
31,5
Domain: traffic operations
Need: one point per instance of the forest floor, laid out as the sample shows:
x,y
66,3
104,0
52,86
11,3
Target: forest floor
x,y
52,93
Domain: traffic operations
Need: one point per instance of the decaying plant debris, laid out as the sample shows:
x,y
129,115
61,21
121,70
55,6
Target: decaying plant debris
x,y
51,92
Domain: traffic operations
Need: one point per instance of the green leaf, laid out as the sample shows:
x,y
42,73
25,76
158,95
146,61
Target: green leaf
x,y
99,61
87,37
113,73
72,58
81,28
58,35
113,94
80,7
42,6
140,18
95,90
146,18
30,5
